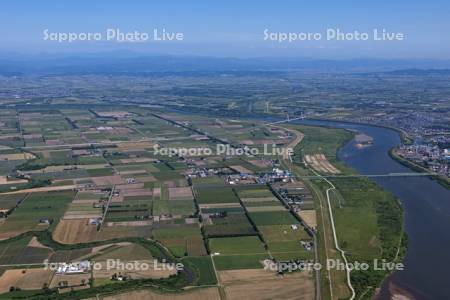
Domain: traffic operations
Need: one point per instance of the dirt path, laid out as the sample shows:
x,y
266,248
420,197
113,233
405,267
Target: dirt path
x,y
298,138
43,189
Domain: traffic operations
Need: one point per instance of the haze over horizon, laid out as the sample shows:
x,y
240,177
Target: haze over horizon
x,y
207,30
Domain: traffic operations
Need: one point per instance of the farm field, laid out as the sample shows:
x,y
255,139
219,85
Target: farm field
x,y
38,211
272,218
261,284
237,252
211,293
26,279
89,186
210,195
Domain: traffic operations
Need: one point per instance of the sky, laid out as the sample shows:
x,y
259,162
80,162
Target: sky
x,y
232,28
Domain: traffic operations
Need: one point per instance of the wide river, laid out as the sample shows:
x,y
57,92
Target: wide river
x,y
426,206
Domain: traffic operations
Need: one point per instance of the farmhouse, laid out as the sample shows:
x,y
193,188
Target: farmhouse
x,y
73,268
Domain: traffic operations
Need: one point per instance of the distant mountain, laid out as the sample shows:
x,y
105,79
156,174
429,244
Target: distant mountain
x,y
132,63
422,72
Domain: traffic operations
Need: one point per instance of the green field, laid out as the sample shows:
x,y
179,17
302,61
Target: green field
x,y
100,172
281,233
284,242
235,262
17,252
36,207
204,267
370,211
181,240
237,252
9,201
232,225
236,245
321,140
273,218
262,192
181,207
208,195
207,181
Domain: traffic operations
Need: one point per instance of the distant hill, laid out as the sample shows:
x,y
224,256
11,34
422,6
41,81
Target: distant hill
x,y
132,63
422,72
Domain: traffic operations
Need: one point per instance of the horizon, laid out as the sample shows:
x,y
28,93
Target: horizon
x,y
128,53
255,30
133,63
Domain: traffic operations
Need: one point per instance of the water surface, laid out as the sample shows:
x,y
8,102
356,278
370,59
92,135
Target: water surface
x,y
426,206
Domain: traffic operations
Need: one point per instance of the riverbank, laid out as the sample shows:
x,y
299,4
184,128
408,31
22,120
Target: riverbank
x,y
367,222
426,210
405,139
444,181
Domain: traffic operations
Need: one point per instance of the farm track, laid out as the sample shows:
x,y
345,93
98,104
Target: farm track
x,y
44,189
336,243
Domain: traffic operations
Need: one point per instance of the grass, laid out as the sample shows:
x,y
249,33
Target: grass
x,y
270,202
128,252
273,218
255,193
142,199
167,175
181,240
284,242
216,195
178,165
236,262
366,223
357,231
204,268
297,254
178,232
281,233
236,245
9,201
90,160
89,195
206,181
181,207
233,224
228,230
223,209
321,140
17,252
188,246
100,172
125,216
37,206
161,207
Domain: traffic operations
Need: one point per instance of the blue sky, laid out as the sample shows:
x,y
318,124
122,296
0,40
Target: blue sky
x,y
232,28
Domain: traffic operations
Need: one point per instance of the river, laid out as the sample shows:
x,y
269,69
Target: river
x,y
426,206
